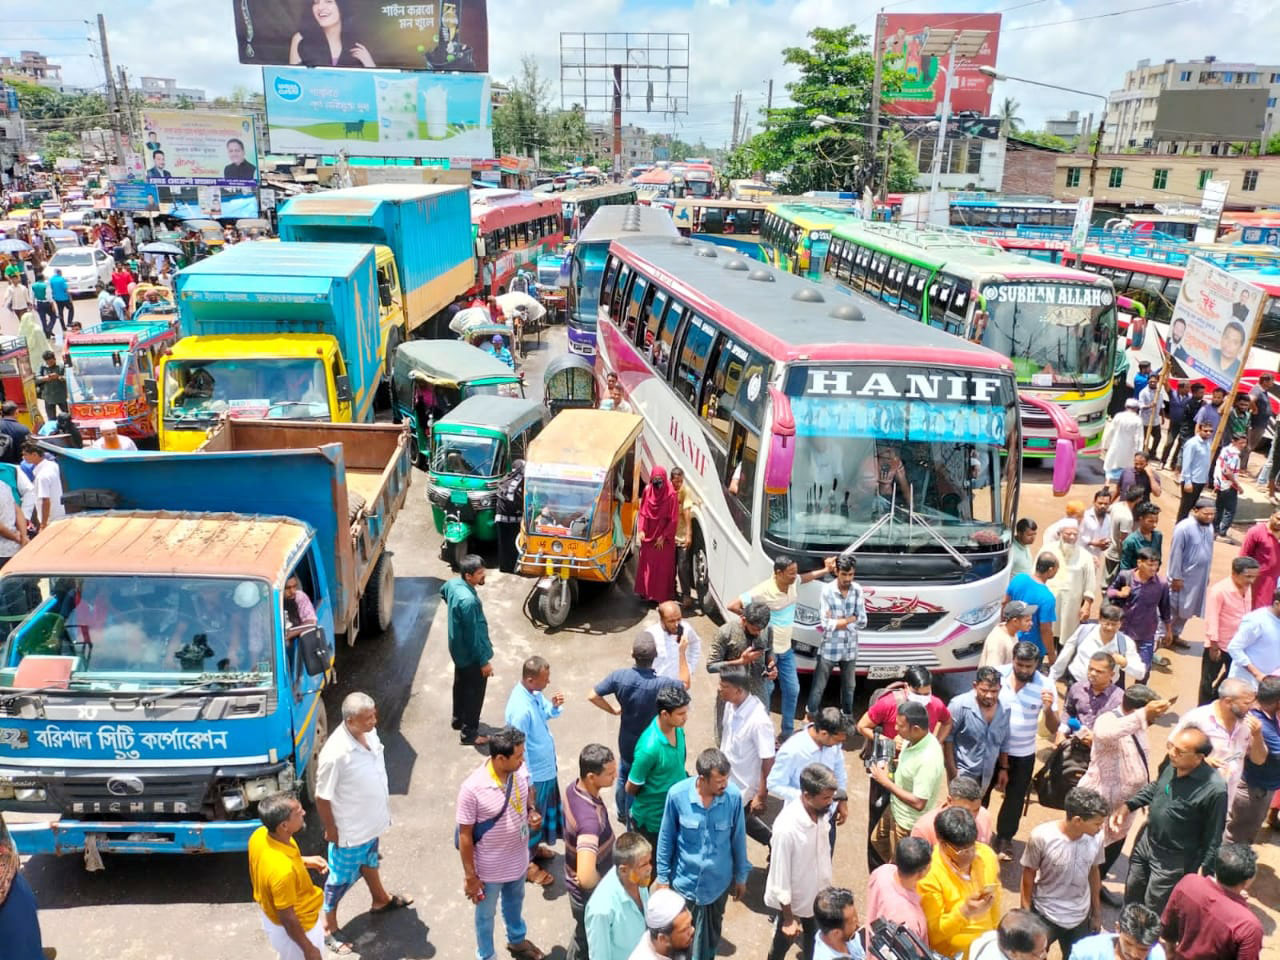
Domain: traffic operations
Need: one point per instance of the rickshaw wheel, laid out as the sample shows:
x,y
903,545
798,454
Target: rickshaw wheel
x,y
554,604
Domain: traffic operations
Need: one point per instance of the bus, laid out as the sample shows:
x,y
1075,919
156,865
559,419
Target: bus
x,y
577,206
726,223
751,190
993,213
1057,325
799,235
696,180
653,185
587,264
510,229
808,426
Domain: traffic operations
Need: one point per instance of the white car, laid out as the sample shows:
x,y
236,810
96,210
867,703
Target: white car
x,y
83,268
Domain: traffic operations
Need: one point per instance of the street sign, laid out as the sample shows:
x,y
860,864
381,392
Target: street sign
x,y
1080,228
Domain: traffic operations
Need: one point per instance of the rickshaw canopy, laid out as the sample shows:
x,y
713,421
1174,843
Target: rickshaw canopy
x,y
506,415
569,380
582,442
449,363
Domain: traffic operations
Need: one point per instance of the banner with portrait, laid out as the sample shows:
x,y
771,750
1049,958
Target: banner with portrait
x,y
1213,323
204,164
441,35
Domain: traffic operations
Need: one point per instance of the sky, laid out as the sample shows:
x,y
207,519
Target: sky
x,y
735,45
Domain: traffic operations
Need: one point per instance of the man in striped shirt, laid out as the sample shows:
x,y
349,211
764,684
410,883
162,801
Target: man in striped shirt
x,y
843,611
1028,696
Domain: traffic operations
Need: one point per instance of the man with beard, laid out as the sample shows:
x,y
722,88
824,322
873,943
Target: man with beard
x,y
1262,543
1227,724
1189,560
1074,585
669,926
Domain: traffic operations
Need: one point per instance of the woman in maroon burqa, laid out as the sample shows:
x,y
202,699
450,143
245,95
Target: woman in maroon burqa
x,y
656,569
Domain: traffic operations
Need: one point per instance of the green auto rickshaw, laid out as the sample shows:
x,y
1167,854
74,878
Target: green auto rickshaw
x,y
473,447
431,377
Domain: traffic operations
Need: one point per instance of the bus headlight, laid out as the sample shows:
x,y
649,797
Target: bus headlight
x,y
233,800
262,787
807,616
971,618
29,794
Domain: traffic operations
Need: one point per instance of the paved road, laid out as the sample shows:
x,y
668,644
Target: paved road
x,y
194,908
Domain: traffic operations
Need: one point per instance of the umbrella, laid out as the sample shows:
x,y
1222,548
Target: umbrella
x,y
467,316
511,302
159,246
14,246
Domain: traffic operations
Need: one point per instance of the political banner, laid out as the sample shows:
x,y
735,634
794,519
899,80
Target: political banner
x,y
442,35
905,37
189,148
1213,323
134,195
1080,226
378,113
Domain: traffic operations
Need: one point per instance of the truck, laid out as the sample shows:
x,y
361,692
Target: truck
x,y
422,234
159,673
290,331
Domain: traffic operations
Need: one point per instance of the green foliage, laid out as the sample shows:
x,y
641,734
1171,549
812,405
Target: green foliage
x,y
1010,122
568,138
1249,149
1272,146
60,143
903,172
1042,139
521,122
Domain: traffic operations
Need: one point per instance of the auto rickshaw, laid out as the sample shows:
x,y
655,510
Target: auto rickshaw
x,y
473,448
18,381
107,370
581,501
162,308
431,377
569,382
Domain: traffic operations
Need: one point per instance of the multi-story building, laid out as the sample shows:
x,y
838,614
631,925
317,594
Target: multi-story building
x,y
33,66
166,90
1144,180
1068,127
637,144
1131,112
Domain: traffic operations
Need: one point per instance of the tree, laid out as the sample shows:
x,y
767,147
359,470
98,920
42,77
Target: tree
x,y
903,171
520,123
1273,146
1041,139
568,137
1009,119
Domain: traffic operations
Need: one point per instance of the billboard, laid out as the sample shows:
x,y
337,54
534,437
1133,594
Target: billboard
x,y
907,35
982,128
1228,114
135,196
205,164
436,35
375,113
1213,323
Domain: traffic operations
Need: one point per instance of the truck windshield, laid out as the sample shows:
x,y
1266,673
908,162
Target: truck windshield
x,y
873,452
139,632
250,388
96,377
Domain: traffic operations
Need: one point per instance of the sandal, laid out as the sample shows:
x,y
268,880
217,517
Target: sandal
x,y
537,875
526,950
396,902
334,945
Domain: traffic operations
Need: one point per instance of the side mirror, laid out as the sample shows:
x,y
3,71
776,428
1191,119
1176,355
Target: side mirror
x,y
342,385
782,445
151,390
384,294
317,654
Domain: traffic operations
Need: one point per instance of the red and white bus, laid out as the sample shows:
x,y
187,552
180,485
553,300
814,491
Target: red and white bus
x,y
511,228
809,426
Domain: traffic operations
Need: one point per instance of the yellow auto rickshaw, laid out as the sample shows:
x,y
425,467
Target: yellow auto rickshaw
x,y
581,501
18,380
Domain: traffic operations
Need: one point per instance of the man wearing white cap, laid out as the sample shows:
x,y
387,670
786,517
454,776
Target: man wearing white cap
x,y
1120,441
669,924
1075,584
110,438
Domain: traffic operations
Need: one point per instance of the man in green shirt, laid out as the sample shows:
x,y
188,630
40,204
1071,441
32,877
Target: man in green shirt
x,y
44,304
917,784
469,647
659,761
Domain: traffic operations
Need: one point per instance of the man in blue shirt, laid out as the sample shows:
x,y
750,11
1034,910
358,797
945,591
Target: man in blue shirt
x,y
702,848
528,711
1195,469
61,294
980,726
1261,780
1137,937
1030,588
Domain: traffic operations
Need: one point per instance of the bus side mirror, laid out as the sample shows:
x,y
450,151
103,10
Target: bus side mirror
x,y
782,445
151,391
1064,466
342,387
316,653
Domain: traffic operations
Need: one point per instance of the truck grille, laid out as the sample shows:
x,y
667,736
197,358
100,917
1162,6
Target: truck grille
x,y
127,796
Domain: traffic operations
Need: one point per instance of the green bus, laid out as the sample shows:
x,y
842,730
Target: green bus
x,y
799,235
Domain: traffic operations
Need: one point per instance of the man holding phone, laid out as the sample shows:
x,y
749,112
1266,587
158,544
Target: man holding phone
x,y
679,649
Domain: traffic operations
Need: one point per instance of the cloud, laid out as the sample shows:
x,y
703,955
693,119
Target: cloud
x,y
735,45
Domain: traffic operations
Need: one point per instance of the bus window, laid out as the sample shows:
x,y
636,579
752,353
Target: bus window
x,y
959,303
913,291
740,475
712,220
1269,330
895,273
647,333
620,291
634,301
606,286
720,389
693,359
666,338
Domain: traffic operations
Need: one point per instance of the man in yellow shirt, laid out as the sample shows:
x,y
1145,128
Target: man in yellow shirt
x,y
960,894
282,887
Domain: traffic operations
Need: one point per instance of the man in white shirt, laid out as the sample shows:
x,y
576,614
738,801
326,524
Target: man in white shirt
x,y
110,439
1021,933
1095,525
1121,439
354,805
800,861
48,483
747,740
13,530
679,649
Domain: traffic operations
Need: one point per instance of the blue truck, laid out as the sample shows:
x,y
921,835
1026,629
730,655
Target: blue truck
x,y
423,238
290,331
159,674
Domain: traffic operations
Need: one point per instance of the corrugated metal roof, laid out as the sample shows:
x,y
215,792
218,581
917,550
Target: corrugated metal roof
x,y
144,542
292,259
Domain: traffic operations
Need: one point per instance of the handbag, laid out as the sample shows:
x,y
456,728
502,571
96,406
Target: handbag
x,y
481,827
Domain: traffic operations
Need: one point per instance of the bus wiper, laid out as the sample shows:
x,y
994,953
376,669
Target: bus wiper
x,y
866,535
33,693
925,525
151,698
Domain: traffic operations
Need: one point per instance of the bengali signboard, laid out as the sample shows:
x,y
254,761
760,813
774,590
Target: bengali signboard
x,y
1213,322
135,196
906,35
205,164
449,35
378,113
1080,227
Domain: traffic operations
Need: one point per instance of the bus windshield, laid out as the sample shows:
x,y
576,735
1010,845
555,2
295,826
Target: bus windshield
x,y
1057,334
588,268
897,458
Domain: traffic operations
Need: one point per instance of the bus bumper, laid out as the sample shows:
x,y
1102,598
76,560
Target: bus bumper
x,y
582,342
60,836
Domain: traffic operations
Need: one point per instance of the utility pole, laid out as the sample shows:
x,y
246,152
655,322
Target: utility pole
x,y
768,104
113,105
126,107
737,116
876,78
616,172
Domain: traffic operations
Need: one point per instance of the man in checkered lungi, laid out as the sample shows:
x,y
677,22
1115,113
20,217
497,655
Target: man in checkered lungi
x,y
353,802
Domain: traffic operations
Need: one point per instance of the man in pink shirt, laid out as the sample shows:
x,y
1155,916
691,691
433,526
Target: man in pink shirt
x,y
1262,543
963,792
891,888
1227,602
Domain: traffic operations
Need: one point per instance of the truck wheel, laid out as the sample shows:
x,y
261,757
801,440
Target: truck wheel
x,y
313,762
378,603
554,604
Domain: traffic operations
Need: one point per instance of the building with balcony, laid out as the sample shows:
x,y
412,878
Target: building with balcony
x,y
166,90
34,67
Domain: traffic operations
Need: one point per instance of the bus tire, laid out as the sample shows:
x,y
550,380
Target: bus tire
x,y
378,603
313,762
701,565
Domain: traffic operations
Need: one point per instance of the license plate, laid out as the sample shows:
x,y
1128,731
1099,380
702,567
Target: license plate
x,y
884,671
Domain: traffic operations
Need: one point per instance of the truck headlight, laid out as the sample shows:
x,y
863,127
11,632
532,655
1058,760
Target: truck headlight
x,y
6,788
29,794
971,618
807,616
260,788
233,800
